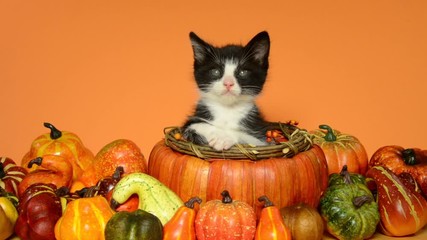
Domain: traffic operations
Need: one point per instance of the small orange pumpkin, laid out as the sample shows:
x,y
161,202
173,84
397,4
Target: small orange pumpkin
x,y
84,219
54,169
225,219
341,149
62,143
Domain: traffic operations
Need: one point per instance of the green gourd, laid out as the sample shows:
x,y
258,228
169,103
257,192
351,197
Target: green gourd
x,y
154,197
134,225
349,209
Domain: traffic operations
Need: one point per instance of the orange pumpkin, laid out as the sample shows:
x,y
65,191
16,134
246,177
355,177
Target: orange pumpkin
x,y
55,169
62,143
84,218
287,181
341,149
225,219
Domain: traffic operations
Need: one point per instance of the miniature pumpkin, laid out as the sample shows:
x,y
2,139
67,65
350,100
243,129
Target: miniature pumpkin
x,y
400,160
225,219
63,143
341,149
287,181
8,213
304,221
11,175
349,210
84,218
55,169
39,209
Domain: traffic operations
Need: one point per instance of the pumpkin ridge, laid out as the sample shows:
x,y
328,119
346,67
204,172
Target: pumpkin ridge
x,y
76,219
98,215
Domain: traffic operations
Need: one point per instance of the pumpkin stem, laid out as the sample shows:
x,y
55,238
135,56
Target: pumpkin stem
x,y
346,175
266,200
191,201
37,161
54,132
409,157
359,201
329,136
2,172
114,204
226,198
82,192
91,191
62,191
3,192
118,173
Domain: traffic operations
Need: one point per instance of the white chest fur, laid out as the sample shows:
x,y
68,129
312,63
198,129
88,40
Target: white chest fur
x,y
225,130
229,117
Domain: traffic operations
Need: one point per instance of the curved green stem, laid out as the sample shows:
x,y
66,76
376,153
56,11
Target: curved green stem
x,y
329,136
409,157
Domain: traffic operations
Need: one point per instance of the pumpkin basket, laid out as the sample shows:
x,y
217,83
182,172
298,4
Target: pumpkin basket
x,y
298,140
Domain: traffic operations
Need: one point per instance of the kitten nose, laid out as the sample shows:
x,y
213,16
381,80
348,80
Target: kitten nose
x,y
228,83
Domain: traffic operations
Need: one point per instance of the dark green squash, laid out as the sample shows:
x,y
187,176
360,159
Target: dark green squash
x,y
349,209
134,225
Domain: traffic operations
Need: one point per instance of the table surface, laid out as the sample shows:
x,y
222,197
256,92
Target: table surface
x,y
422,234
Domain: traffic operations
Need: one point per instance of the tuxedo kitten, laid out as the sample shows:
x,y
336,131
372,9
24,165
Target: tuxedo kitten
x,y
229,79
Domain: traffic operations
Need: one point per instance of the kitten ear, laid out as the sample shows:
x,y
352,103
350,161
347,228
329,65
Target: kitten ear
x,y
200,47
259,47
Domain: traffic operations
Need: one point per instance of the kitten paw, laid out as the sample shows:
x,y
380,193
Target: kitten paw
x,y
222,143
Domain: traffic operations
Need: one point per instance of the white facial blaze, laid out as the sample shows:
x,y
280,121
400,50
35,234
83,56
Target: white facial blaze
x,y
227,90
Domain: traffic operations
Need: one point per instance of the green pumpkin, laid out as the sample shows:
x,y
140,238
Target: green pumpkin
x,y
139,225
345,177
349,210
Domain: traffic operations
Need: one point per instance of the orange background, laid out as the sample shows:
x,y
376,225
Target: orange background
x,y
123,69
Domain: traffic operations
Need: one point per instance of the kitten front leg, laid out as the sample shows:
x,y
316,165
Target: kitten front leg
x,y
204,133
191,135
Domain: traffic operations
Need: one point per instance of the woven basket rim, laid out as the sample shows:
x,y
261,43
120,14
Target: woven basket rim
x,y
299,140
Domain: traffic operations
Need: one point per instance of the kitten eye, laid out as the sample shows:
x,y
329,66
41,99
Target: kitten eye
x,y
243,73
215,73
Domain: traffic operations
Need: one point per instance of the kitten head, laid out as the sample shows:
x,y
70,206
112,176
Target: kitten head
x,y
232,73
